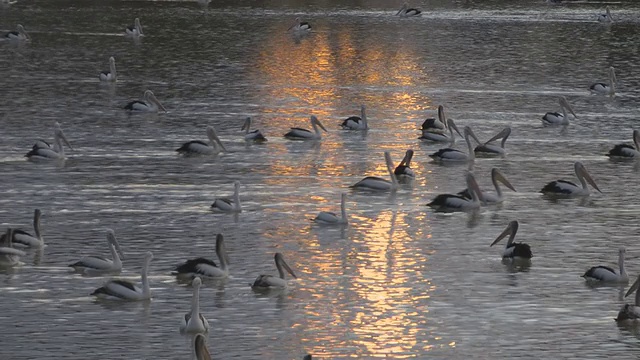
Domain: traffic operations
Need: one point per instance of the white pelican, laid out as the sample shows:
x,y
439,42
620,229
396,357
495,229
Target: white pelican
x,y
39,152
438,125
304,134
490,149
556,118
134,30
149,104
111,75
93,265
300,26
205,267
8,255
436,136
125,290
229,205
376,183
448,155
194,322
271,282
626,151
513,250
252,135
24,238
356,122
18,35
606,274
326,217
406,11
197,147
492,198
606,17
631,312
604,88
450,202
404,168
569,189
200,348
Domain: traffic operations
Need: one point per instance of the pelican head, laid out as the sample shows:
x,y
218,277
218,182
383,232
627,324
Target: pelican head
x,y
496,175
138,26
511,230
315,121
247,124
221,249
151,98
112,66
582,173
58,134
111,238
200,348
147,258
22,31
452,126
566,107
403,8
213,138
636,139
634,287
504,134
441,117
473,186
280,264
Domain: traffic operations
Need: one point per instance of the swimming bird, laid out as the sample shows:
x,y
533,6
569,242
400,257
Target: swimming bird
x,y
604,88
406,11
205,267
134,30
606,274
631,312
490,149
556,118
513,250
264,282
449,155
492,198
437,136
252,135
149,104
563,188
18,35
330,218
606,17
118,289
197,147
356,122
403,170
194,322
229,205
94,265
626,151
200,348
300,26
9,256
451,202
437,125
377,183
40,152
24,238
109,76
304,134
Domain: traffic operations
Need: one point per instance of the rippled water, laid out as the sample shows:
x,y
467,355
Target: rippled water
x,y
401,281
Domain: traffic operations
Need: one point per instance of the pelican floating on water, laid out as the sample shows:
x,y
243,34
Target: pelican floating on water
x,y
264,282
229,205
300,26
490,149
330,218
626,151
606,274
18,35
252,135
492,198
513,250
205,267
304,134
134,30
109,76
606,17
92,265
448,155
24,238
200,348
631,312
556,118
604,88
197,147
377,183
9,256
450,202
406,11
569,189
118,289
194,322
437,136
438,125
356,122
40,152
403,170
149,104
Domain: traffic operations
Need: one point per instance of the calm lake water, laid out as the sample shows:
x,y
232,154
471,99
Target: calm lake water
x,y
401,281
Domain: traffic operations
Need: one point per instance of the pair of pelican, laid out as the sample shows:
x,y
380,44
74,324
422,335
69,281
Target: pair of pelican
x,y
564,188
487,197
606,274
149,103
451,202
267,282
377,183
252,135
513,251
134,30
197,147
602,88
229,205
110,75
450,155
356,122
193,322
406,11
205,267
97,265
300,27
118,289
9,256
24,238
556,118
18,35
42,150
626,151
304,134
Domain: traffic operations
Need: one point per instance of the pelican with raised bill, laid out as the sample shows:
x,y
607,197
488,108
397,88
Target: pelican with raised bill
x,y
205,267
300,26
377,183
564,188
603,273
451,202
134,30
229,205
626,151
18,35
606,17
9,257
513,250
449,155
489,149
110,75
197,147
266,282
631,312
559,119
356,122
40,152
193,322
252,135
24,238
304,134
441,136
118,289
403,170
438,125
406,11
602,88
492,198
331,218
96,265
149,104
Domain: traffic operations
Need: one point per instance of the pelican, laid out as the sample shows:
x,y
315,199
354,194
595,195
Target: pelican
x,y
326,217
205,267
606,274
304,134
447,155
24,238
631,312
404,168
376,183
271,282
90,265
134,30
197,147
39,152
556,118
406,11
300,26
438,125
200,348
604,88
229,205
490,149
8,255
194,322
18,35
491,198
606,17
126,290
441,136
109,76
252,135
356,122
513,250
149,104
450,202
569,189
626,151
